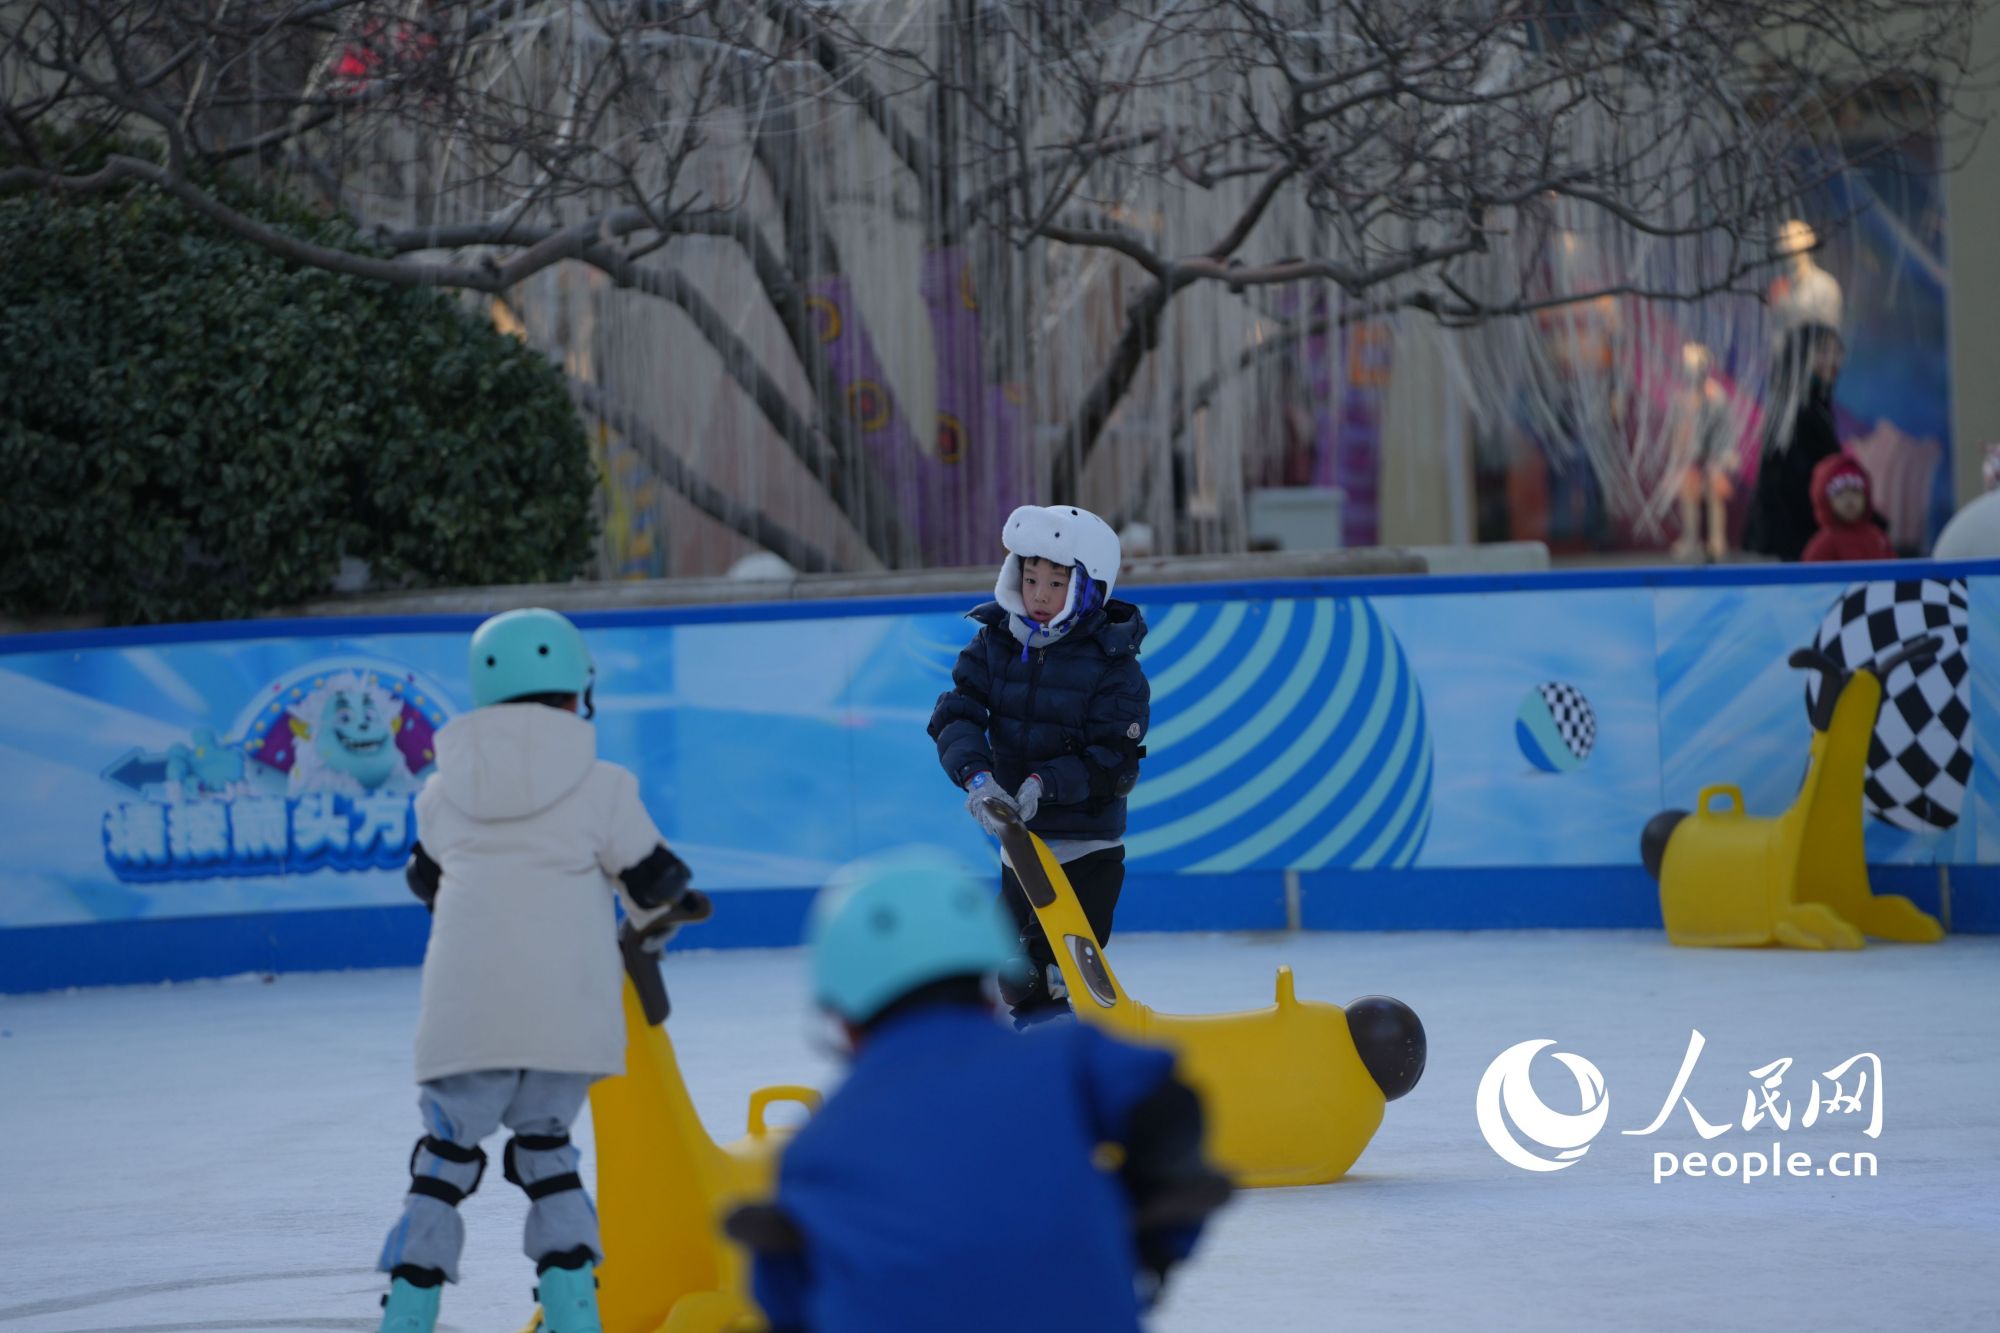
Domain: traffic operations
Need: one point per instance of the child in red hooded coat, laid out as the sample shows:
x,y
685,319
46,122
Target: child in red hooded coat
x,y
1846,513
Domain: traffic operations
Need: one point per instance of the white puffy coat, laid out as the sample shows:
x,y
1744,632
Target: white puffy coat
x,y
530,829
1974,531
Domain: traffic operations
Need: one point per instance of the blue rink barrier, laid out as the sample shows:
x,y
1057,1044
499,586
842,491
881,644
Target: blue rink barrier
x,y
1462,752
41,958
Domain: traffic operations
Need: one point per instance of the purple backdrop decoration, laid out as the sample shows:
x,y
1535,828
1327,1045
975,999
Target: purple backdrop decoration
x,y
1345,372
954,493
869,401
979,426
1321,361
1367,349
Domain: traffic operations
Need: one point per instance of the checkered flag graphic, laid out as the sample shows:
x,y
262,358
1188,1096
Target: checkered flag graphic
x,y
1573,716
1920,758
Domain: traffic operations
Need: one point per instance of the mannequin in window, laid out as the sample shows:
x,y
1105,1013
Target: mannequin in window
x,y
1798,432
1804,294
1708,447
1798,406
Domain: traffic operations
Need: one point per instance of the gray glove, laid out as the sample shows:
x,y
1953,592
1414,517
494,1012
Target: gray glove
x,y
1029,798
978,792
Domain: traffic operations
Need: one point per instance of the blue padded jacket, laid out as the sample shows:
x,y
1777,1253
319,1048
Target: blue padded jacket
x,y
1074,713
948,1184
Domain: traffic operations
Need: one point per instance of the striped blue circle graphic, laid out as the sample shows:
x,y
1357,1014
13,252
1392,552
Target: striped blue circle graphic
x,y
1286,735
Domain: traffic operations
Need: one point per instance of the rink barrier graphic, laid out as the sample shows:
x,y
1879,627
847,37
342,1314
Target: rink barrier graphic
x,y
1356,734
1236,778
160,949
145,841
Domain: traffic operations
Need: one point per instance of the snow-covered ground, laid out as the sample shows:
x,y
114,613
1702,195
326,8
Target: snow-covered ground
x,y
227,1155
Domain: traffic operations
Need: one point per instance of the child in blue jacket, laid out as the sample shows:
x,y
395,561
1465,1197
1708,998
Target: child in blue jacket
x,y
923,1196
1048,712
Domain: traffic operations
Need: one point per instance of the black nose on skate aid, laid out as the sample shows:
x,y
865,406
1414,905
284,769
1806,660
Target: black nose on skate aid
x,y
1390,1041
1653,842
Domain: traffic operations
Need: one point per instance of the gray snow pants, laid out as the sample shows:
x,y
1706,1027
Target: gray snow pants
x,y
458,1112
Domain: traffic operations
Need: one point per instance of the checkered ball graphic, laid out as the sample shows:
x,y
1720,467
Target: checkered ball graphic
x,y
1920,758
1573,717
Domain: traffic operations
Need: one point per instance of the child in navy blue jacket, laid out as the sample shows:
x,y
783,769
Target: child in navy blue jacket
x,y
1048,712
921,1197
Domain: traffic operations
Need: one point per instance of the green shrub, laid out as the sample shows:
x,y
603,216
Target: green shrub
x,y
191,428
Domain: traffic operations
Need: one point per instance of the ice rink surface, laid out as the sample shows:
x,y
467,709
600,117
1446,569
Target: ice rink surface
x,y
227,1155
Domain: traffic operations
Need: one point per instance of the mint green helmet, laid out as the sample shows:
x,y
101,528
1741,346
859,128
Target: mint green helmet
x,y
531,651
887,924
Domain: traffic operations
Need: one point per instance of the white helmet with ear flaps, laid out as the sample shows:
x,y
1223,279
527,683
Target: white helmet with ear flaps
x,y
1065,535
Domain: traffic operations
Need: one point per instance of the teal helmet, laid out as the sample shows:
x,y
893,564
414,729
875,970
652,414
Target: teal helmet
x,y
887,924
531,651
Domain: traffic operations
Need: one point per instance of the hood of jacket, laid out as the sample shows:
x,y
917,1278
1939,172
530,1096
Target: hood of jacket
x,y
1117,626
1839,472
507,761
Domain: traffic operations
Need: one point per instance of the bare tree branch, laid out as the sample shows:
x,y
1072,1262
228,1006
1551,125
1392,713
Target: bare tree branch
x,y
1483,163
673,470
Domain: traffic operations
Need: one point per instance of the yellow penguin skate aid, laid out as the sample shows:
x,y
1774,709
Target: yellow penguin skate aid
x,y
1293,1092
663,1188
1729,878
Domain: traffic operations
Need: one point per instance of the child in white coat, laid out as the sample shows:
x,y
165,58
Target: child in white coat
x,y
525,841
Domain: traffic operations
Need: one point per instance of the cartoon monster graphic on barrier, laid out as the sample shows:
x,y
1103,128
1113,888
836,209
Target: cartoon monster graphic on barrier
x,y
349,728
322,776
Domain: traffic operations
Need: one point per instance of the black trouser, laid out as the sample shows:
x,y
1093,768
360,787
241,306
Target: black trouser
x,y
1096,879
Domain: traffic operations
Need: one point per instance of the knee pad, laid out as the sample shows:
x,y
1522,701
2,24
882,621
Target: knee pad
x,y
436,1187
537,1190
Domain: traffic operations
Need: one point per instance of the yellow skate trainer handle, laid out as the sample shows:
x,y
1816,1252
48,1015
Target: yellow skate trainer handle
x,y
1075,945
1728,789
764,1099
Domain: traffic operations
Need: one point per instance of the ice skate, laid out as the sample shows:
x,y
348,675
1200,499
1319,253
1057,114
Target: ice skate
x,y
412,1307
569,1299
